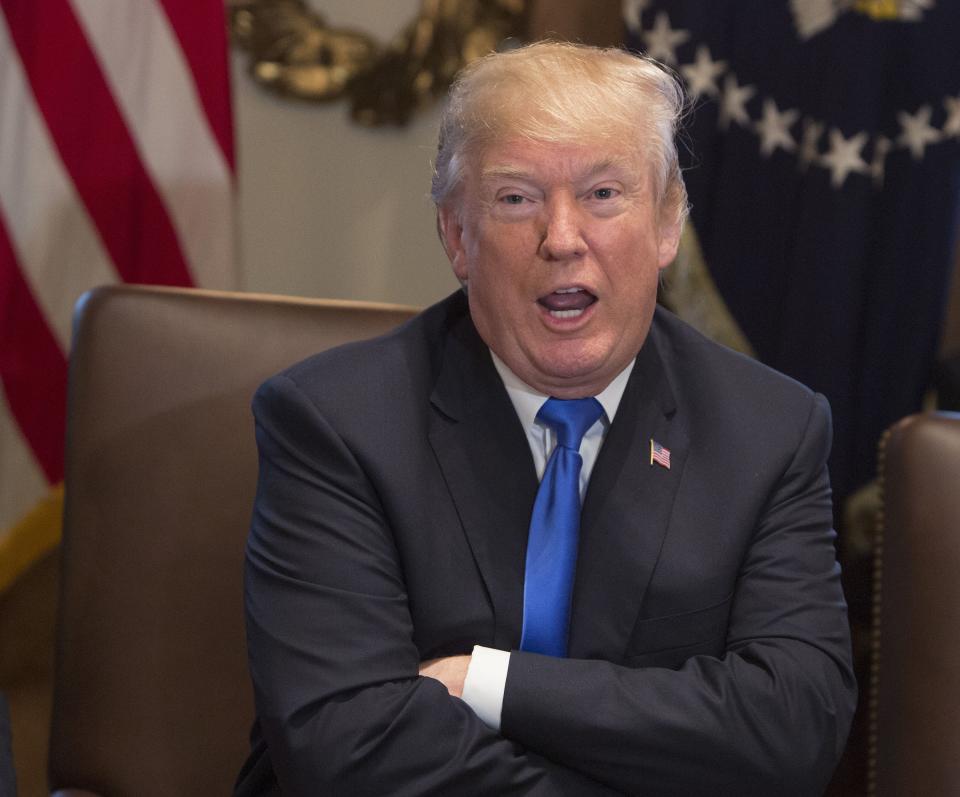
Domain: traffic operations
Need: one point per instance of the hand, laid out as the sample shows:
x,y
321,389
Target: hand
x,y
451,671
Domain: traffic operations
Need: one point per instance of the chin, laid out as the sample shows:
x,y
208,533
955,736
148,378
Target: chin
x,y
572,372
574,358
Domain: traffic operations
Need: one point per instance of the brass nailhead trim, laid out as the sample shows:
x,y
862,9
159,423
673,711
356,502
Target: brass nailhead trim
x,y
878,539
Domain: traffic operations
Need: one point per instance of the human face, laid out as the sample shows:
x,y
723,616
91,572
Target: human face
x,y
560,247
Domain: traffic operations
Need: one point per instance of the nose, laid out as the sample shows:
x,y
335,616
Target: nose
x,y
563,233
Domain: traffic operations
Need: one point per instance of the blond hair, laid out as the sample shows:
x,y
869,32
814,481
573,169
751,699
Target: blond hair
x,y
564,93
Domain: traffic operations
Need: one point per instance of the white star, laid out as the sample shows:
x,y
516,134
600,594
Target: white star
x,y
631,10
881,149
917,132
733,106
702,74
809,142
912,10
662,40
951,127
774,129
844,156
810,17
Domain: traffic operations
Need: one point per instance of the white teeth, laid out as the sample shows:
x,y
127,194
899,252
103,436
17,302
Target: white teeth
x,y
565,313
568,290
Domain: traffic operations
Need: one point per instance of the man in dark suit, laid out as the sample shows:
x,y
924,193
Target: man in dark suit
x,y
407,529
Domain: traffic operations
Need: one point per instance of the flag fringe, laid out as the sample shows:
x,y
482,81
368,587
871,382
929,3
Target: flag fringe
x,y
31,538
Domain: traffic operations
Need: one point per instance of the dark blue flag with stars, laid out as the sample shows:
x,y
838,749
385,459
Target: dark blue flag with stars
x,y
824,173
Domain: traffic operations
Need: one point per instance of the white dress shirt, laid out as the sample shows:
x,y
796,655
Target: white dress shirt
x,y
487,674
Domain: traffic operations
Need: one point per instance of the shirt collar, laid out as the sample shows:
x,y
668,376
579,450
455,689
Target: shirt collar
x,y
527,401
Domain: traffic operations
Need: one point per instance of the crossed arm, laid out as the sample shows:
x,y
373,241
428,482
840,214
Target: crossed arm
x,y
336,670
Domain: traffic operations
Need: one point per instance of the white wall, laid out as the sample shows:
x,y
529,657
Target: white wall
x,y
331,209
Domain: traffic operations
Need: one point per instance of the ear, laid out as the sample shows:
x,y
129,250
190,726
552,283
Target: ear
x,y
669,243
451,235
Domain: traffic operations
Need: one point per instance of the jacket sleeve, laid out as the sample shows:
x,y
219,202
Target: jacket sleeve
x,y
771,716
330,639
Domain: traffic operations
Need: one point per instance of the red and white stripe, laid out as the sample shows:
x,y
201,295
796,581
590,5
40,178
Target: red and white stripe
x,y
116,165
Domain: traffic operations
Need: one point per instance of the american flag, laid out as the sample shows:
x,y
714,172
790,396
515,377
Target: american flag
x,y
116,165
659,454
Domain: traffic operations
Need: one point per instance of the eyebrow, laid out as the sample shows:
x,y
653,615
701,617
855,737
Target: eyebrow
x,y
512,172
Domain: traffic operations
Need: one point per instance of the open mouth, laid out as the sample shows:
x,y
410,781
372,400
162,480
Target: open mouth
x,y
567,302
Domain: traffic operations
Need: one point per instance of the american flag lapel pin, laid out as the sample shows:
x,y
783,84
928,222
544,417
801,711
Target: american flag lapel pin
x,y
659,454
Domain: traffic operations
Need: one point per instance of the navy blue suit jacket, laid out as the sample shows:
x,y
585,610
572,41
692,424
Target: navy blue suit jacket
x,y
709,646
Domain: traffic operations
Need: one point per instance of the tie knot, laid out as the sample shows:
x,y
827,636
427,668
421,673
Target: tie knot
x,y
570,418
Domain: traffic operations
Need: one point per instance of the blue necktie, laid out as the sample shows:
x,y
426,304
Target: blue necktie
x,y
555,529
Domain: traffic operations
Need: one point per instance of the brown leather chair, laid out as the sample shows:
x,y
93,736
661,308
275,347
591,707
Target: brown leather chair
x,y
151,692
915,678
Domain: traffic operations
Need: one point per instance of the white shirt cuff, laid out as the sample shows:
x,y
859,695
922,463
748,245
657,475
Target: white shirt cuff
x,y
485,683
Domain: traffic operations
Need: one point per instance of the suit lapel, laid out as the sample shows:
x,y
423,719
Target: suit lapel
x,y
485,459
626,512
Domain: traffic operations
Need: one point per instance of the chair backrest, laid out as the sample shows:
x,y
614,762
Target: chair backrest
x,y
151,691
915,674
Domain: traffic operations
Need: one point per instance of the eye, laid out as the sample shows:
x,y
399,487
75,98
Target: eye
x,y
512,199
604,193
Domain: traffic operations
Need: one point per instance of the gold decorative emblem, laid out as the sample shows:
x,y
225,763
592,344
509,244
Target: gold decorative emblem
x,y
907,10
878,9
294,52
814,16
